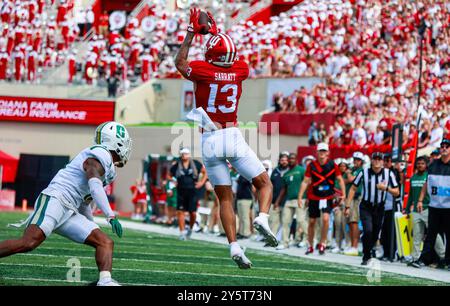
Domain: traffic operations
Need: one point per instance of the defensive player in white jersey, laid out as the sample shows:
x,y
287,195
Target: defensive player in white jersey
x,y
63,207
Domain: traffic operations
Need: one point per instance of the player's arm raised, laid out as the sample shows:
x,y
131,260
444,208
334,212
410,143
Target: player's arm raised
x,y
181,61
94,172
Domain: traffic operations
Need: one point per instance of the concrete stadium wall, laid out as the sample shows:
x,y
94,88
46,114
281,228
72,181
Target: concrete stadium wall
x,y
143,105
54,91
16,138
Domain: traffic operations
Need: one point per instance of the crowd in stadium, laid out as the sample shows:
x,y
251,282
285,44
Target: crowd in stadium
x,y
36,35
368,53
346,41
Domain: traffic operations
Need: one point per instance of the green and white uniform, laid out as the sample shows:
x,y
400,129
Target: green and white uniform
x,y
63,206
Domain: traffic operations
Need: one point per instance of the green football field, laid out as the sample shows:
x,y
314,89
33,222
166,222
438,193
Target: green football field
x,y
150,259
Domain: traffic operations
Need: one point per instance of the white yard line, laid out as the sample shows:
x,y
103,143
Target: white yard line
x,y
62,281
233,266
41,280
354,261
193,273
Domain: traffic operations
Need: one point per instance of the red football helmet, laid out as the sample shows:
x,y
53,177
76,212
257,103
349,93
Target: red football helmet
x,y
220,50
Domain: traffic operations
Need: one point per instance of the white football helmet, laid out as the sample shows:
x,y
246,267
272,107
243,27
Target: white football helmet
x,y
114,136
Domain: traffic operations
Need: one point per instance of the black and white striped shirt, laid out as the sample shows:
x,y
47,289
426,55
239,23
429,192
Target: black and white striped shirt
x,y
370,179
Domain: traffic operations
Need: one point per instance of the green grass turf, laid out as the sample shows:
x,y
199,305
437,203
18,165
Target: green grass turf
x,y
153,259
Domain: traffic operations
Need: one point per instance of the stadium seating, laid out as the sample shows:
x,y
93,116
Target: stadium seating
x,y
36,36
367,51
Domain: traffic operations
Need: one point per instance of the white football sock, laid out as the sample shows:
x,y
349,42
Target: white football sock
x,y
235,248
264,216
105,274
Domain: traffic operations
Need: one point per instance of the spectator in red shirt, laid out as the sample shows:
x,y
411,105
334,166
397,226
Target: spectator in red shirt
x,y
103,24
347,133
139,192
19,59
3,64
72,65
32,64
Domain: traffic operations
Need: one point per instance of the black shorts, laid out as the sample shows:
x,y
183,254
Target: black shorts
x,y
187,200
314,211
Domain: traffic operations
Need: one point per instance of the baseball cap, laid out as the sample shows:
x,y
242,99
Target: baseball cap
x,y
436,152
377,155
185,151
445,141
358,155
322,147
284,153
387,155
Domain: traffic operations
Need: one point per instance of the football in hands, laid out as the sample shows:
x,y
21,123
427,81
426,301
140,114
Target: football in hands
x,y
205,22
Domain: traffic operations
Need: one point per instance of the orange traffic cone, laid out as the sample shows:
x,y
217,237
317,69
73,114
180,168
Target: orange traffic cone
x,y
24,205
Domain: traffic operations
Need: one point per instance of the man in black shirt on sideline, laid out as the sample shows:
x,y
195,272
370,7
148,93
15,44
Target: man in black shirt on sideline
x,y
187,172
277,182
244,199
377,183
438,187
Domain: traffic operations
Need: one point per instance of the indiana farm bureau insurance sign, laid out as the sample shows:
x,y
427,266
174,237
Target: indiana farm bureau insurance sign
x,y
48,110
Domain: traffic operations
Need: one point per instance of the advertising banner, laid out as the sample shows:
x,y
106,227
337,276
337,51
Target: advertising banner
x,y
47,110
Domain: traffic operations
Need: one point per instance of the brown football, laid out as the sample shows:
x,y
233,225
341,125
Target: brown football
x,y
205,22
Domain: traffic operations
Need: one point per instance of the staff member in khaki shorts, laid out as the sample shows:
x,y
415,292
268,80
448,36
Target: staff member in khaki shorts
x,y
352,214
291,185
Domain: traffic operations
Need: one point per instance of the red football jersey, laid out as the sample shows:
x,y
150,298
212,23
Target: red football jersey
x,y
218,89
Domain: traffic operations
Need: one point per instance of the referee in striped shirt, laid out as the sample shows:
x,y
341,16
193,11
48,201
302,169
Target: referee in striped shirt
x,y
377,183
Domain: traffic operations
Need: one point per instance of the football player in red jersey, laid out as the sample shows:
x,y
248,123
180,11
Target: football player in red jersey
x,y
218,87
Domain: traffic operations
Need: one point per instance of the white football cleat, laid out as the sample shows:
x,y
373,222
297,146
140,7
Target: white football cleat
x,y
107,282
262,226
351,252
242,261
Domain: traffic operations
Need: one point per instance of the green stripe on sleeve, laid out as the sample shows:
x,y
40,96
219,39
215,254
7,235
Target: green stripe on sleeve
x,y
42,215
36,209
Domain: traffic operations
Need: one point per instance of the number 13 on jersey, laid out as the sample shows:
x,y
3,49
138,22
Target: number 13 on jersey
x,y
231,90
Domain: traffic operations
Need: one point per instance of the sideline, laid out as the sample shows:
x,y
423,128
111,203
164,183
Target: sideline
x,y
354,261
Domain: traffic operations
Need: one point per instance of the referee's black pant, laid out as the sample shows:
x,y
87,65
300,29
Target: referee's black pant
x,y
438,222
372,220
387,239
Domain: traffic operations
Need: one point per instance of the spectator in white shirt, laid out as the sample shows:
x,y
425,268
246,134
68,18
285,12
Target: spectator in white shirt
x,y
437,133
359,135
90,18
80,18
300,68
379,135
